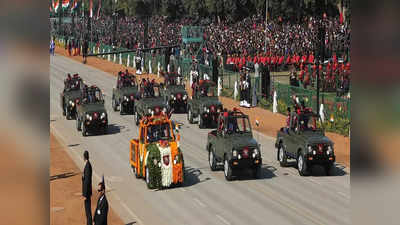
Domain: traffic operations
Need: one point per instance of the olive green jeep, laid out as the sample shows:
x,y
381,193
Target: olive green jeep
x,y
204,107
232,145
91,113
305,141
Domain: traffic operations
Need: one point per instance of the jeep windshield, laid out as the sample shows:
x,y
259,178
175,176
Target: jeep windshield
x,y
150,92
93,97
159,132
308,122
74,85
238,125
205,91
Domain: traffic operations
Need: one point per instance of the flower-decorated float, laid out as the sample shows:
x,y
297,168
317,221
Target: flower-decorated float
x,y
155,155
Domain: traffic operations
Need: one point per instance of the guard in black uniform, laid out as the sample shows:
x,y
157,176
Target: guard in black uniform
x,y
101,213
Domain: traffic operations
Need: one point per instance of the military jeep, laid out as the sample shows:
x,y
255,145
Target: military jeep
x,y
204,107
150,102
232,145
305,141
91,113
174,93
70,97
124,95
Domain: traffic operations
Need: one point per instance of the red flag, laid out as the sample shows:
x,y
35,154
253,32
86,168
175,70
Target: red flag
x,y
91,8
341,18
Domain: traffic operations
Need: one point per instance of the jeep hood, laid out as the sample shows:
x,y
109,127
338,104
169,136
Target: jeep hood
x,y
239,142
174,89
91,108
153,102
129,91
316,138
72,94
208,101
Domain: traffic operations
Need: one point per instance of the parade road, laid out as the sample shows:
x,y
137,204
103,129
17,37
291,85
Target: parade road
x,y
280,196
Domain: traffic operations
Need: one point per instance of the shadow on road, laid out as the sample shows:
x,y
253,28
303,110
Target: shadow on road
x,y
73,145
267,172
131,223
318,170
114,129
192,176
63,175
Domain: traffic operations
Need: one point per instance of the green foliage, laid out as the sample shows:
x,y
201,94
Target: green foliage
x,y
227,92
282,107
265,104
231,10
154,170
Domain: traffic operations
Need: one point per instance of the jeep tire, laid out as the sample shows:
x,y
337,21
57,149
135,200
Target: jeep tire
x,y
257,172
78,124
137,120
282,157
211,159
330,169
302,166
190,115
227,170
148,180
84,132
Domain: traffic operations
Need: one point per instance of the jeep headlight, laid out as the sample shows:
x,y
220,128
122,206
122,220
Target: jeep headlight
x,y
205,109
330,150
309,149
126,98
71,102
164,110
234,153
88,117
176,159
185,97
149,111
103,115
172,96
155,161
255,152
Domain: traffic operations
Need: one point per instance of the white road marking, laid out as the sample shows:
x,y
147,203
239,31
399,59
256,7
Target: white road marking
x,y
223,219
130,212
344,195
199,202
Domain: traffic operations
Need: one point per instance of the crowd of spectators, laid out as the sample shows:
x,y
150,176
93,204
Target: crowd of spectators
x,y
239,43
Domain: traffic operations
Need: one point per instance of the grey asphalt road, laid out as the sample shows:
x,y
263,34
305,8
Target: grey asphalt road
x,y
281,196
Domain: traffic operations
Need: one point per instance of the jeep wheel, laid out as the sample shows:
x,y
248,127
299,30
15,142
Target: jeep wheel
x,y
330,169
121,110
84,132
190,116
257,172
78,124
105,129
63,109
211,159
136,118
149,185
201,122
301,165
134,171
227,170
282,157
114,105
67,114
